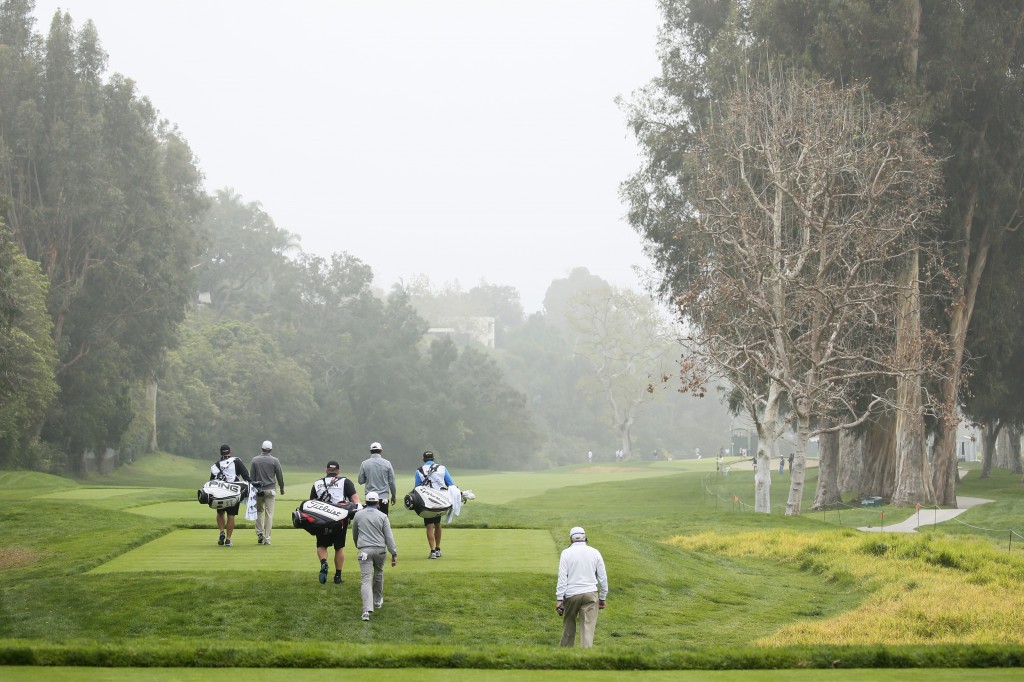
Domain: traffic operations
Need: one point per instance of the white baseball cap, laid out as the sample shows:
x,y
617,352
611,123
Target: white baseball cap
x,y
372,497
267,446
375,447
577,534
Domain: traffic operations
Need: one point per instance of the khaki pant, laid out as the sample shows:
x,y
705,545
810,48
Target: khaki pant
x,y
583,606
265,514
371,573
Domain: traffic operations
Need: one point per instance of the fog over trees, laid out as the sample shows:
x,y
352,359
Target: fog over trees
x,y
833,217
140,313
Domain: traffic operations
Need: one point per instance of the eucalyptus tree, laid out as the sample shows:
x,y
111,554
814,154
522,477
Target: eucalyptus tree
x,y
954,64
803,196
105,197
995,353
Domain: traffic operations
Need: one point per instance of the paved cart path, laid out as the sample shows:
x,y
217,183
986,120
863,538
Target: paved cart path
x,y
929,517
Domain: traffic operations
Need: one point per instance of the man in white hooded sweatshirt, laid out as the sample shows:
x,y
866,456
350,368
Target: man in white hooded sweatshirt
x,y
582,588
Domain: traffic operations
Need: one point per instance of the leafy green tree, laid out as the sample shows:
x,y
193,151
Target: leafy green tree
x,y
244,254
105,197
27,357
229,382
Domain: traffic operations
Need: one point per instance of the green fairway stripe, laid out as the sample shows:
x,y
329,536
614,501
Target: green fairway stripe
x,y
464,550
93,493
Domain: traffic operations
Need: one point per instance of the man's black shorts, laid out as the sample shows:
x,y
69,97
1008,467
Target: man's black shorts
x,y
231,511
336,537
435,521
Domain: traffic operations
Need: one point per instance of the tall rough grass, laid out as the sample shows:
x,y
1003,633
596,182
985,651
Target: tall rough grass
x,y
923,589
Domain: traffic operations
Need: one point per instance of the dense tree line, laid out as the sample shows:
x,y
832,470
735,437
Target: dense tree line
x,y
954,69
104,197
139,313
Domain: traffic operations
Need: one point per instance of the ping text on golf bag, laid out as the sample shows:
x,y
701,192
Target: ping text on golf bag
x,y
221,494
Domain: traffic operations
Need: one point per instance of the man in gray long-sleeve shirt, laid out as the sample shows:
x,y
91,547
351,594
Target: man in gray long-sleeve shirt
x,y
378,476
371,532
265,468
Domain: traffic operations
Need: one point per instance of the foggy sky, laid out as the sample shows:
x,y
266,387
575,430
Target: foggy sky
x,y
467,140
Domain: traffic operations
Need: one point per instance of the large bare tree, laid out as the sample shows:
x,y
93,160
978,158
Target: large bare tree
x,y
809,199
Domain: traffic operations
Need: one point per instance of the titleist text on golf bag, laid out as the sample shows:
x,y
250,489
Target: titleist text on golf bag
x,y
314,516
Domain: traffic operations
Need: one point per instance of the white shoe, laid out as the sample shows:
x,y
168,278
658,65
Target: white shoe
x,y
378,604
366,615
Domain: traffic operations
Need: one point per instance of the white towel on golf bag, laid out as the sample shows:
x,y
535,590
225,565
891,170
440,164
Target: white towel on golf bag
x,y
250,504
456,496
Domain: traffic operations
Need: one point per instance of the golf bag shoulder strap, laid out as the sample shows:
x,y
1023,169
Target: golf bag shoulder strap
x,y
325,496
427,473
222,465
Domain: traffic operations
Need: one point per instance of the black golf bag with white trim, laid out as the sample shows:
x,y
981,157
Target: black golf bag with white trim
x,y
315,516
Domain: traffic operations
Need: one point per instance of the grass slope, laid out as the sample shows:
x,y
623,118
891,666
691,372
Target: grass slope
x,y
695,583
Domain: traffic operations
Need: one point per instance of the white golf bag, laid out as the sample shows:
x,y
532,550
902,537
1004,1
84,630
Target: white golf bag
x,y
221,494
428,502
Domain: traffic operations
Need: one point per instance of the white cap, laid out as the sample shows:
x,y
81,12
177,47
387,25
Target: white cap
x,y
267,446
372,497
577,534
375,447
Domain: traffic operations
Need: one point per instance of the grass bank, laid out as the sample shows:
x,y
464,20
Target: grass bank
x,y
695,584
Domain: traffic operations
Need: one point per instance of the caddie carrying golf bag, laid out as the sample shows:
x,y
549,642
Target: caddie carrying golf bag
x,y
428,502
221,494
314,516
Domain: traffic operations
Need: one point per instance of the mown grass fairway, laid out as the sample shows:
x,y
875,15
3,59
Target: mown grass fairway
x,y
113,574
472,551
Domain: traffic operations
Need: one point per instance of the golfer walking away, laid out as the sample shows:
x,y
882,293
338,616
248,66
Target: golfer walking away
x,y
339,491
581,590
436,476
230,470
371,533
265,468
378,476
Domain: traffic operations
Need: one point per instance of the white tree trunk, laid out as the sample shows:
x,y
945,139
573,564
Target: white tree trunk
x,y
799,469
767,446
